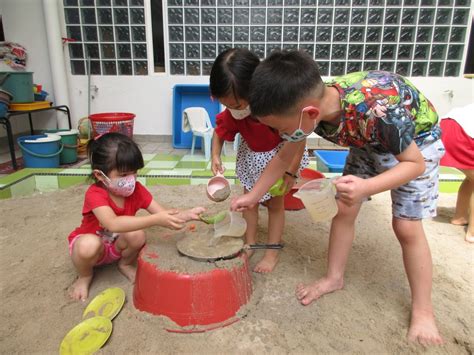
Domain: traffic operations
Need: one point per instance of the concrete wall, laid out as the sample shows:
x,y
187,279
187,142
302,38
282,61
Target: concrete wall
x,y
149,97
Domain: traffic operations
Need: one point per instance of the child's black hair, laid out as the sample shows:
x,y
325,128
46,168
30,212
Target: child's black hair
x,y
231,73
114,151
282,80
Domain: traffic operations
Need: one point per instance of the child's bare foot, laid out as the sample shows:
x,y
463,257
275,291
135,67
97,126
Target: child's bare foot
x,y
80,288
249,253
469,237
268,262
461,221
423,329
309,293
129,271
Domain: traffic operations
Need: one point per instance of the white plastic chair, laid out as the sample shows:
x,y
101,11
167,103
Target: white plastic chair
x,y
201,126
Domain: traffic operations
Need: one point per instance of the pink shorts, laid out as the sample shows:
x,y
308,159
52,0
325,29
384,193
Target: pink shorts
x,y
110,255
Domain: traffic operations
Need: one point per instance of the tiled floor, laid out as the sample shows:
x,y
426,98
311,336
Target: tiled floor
x,y
163,165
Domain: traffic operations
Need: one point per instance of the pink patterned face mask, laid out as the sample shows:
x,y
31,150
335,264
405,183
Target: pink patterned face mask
x,y
122,186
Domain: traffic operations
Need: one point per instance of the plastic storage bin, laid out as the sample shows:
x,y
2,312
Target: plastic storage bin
x,y
191,95
332,161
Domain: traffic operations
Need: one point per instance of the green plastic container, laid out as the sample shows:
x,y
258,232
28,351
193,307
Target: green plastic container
x,y
19,84
69,141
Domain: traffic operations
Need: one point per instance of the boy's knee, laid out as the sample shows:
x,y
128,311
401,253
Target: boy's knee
x,y
347,212
87,247
407,230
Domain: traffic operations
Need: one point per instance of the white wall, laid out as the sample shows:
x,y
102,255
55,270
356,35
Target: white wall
x,y
149,97
23,23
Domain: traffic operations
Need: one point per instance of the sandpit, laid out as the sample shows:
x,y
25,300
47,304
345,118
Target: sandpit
x,y
370,315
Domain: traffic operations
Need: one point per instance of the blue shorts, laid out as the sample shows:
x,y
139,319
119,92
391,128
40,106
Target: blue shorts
x,y
418,198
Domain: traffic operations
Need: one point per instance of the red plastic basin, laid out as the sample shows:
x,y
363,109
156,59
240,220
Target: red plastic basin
x,y
292,203
205,301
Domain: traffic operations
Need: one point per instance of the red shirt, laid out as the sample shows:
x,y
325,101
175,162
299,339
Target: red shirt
x,y
97,196
259,137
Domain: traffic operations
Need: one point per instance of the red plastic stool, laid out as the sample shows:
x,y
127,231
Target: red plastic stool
x,y
197,302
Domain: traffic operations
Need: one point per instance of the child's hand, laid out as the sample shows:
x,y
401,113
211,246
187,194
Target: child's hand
x,y
192,214
242,203
351,189
288,182
216,166
170,219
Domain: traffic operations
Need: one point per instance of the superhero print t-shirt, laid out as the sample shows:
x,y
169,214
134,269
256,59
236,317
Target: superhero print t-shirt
x,y
383,110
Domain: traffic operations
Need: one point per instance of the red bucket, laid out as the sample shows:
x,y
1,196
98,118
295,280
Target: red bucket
x,y
195,302
294,204
121,122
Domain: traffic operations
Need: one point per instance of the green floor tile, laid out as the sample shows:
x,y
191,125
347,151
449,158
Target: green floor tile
x,y
167,181
229,165
143,171
5,193
166,157
15,176
179,172
229,172
195,157
67,181
449,186
191,165
24,187
148,157
142,180
227,158
202,173
75,171
448,170
46,183
160,164
198,181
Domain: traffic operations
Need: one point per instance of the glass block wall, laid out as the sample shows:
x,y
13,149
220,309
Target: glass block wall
x,y
411,37
109,32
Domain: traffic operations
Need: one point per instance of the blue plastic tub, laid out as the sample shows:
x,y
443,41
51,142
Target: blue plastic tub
x,y
41,151
191,95
332,161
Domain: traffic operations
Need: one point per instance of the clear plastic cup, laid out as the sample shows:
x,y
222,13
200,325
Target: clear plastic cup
x,y
233,225
319,198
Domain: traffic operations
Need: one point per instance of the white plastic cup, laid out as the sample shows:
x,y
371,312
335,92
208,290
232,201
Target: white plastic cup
x,y
319,198
233,225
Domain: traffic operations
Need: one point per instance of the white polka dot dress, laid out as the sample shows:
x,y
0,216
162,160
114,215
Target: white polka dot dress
x,y
250,165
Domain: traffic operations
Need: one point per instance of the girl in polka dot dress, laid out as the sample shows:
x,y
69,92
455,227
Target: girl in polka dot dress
x,y
229,83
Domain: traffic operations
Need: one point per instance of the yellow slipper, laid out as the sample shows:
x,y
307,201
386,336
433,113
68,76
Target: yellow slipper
x,y
87,337
108,304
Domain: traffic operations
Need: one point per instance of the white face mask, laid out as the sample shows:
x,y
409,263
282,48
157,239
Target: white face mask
x,y
240,114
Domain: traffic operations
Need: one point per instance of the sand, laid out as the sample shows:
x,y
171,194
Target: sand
x,y
221,194
370,315
204,246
